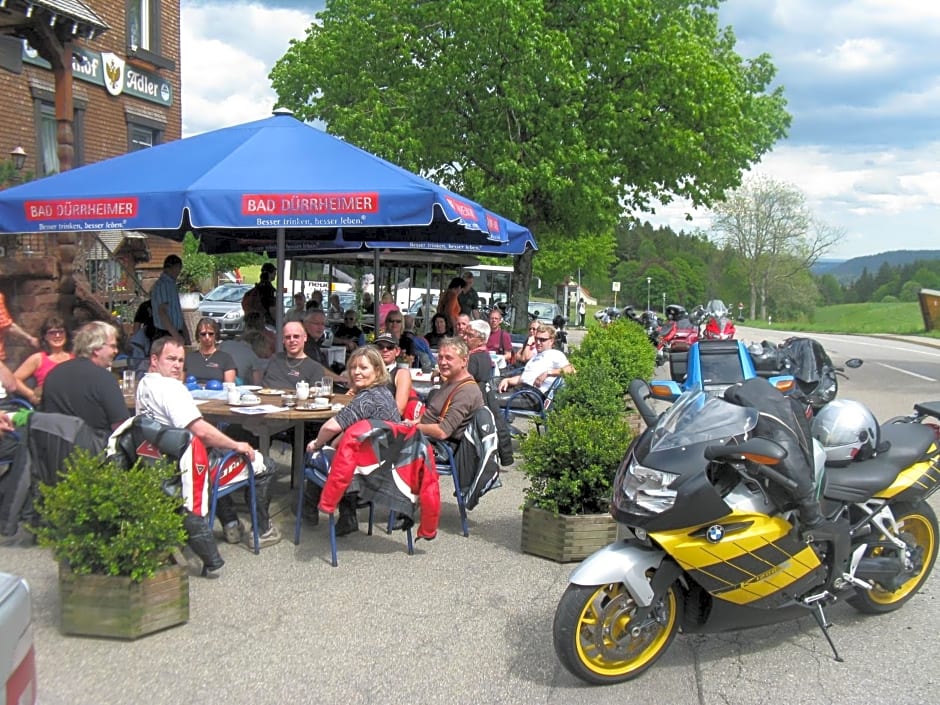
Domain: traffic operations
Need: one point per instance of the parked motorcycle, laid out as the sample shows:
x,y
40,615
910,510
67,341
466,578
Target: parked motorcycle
x,y
817,377
719,324
722,532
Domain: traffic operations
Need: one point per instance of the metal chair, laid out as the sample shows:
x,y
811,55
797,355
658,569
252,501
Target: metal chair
x,y
540,403
316,470
217,490
447,465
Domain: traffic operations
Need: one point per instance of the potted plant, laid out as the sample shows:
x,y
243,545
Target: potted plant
x,y
116,535
571,465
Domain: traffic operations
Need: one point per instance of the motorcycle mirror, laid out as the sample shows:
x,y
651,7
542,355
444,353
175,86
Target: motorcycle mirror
x,y
854,363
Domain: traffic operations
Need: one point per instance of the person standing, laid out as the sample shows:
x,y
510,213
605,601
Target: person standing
x,y
469,299
85,386
582,309
499,340
449,303
165,303
8,325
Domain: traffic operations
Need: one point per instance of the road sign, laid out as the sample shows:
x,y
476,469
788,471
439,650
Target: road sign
x,y
615,286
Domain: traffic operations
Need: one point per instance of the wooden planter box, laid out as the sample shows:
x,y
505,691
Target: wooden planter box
x,y
115,606
565,538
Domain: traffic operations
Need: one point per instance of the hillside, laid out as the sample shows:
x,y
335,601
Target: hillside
x,y
850,270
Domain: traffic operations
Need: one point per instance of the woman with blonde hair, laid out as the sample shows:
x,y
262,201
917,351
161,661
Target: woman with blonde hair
x,y
372,399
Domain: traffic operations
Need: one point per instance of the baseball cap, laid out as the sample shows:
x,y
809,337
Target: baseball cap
x,y
387,338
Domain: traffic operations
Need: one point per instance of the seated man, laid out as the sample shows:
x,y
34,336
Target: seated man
x,y
539,373
348,333
84,386
162,396
314,325
450,408
286,369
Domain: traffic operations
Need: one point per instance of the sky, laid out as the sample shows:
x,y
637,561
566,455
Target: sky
x,y
861,77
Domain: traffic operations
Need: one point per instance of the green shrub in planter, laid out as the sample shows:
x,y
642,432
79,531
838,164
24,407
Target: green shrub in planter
x,y
105,520
623,347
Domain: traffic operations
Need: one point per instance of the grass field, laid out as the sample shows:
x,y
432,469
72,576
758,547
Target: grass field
x,y
899,318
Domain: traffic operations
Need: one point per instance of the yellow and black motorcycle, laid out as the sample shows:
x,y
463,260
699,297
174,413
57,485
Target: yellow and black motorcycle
x,y
719,533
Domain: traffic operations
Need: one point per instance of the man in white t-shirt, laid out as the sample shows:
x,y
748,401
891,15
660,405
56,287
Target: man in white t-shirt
x,y
540,371
162,396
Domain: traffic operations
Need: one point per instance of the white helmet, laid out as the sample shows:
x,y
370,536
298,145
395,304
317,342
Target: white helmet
x,y
847,431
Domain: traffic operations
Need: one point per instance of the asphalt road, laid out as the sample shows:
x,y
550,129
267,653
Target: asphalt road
x,y
464,620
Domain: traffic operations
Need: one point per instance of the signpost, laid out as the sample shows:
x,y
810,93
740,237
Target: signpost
x,y
615,286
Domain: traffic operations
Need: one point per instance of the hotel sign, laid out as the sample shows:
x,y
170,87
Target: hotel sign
x,y
111,73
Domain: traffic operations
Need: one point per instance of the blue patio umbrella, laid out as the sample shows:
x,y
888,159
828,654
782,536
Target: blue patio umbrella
x,y
275,185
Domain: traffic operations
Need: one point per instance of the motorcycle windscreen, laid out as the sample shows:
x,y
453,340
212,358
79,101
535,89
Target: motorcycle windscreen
x,y
698,417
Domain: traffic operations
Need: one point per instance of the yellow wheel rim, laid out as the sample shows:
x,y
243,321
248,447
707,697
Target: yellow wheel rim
x,y
920,529
604,640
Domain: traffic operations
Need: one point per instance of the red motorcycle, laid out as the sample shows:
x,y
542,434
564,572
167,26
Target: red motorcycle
x,y
680,330
719,324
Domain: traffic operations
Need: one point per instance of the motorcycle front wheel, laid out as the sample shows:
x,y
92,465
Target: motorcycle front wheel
x,y
595,636
918,528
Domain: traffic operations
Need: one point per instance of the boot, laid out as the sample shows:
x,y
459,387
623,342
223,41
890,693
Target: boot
x,y
311,499
202,542
348,521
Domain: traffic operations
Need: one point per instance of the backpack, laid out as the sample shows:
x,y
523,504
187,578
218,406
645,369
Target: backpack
x,y
251,301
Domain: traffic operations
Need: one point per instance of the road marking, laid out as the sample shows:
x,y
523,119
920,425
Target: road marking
x,y
908,372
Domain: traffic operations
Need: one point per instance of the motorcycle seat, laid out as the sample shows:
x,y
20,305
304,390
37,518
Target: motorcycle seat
x,y
859,481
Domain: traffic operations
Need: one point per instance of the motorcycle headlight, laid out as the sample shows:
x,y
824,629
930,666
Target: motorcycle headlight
x,y
648,489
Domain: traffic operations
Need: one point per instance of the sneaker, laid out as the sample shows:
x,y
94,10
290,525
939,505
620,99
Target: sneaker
x,y
268,538
234,532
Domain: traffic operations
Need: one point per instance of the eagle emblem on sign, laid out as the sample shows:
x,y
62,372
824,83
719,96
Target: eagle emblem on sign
x,y
113,73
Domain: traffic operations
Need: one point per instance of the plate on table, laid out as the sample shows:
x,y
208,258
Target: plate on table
x,y
250,387
246,402
315,406
270,392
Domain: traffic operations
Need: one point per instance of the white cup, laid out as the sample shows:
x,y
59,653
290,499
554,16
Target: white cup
x,y
303,391
233,396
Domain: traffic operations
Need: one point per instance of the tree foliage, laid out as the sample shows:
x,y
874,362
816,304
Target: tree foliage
x,y
557,115
769,225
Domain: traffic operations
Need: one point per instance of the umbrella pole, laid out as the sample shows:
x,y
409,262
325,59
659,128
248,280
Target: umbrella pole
x,y
279,313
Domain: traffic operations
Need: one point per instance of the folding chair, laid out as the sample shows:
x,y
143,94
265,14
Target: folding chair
x,y
217,490
447,465
316,470
541,403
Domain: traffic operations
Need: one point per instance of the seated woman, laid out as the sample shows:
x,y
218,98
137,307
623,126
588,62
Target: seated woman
x,y
439,329
539,373
53,344
479,362
369,380
207,362
399,378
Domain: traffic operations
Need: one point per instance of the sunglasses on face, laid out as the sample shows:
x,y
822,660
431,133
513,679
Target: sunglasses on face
x,y
393,320
542,340
386,347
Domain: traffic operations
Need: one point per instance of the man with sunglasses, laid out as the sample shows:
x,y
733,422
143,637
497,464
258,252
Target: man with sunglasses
x,y
348,333
541,371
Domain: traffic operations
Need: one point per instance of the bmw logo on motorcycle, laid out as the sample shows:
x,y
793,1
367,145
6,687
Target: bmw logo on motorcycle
x,y
715,533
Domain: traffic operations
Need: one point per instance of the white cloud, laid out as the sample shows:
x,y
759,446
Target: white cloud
x,y
228,50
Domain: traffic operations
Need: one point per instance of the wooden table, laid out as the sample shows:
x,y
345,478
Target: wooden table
x,y
266,425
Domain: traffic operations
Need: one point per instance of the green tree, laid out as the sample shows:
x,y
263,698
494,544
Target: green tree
x,y
558,115
768,224
830,290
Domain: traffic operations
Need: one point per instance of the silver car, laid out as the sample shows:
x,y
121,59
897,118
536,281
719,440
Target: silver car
x,y
17,655
224,305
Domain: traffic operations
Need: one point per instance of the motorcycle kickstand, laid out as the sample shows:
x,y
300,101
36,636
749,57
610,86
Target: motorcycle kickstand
x,y
820,617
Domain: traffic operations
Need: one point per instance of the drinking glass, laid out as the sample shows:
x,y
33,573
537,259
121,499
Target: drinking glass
x,y
326,387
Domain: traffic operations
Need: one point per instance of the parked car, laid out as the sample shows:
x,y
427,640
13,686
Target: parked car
x,y
544,311
417,310
17,654
224,305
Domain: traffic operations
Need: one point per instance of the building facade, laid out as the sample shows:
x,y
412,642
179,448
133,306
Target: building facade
x,y
82,82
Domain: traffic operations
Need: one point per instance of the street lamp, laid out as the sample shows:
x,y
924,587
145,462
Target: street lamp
x,y
648,281
18,155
